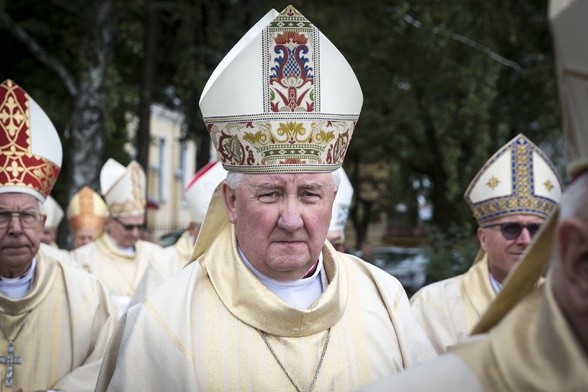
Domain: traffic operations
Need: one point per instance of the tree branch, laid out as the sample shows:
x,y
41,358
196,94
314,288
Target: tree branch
x,y
467,41
41,55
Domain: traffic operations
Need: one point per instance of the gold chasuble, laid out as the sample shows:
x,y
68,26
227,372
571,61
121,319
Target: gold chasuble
x,y
449,309
204,330
59,330
535,334
119,272
163,265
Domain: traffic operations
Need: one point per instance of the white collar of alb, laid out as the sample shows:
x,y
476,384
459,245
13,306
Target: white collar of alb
x,y
18,287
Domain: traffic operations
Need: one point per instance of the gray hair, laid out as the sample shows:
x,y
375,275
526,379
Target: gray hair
x,y
234,179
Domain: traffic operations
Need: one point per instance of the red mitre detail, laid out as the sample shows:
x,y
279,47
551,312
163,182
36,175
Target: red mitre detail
x,y
18,166
200,173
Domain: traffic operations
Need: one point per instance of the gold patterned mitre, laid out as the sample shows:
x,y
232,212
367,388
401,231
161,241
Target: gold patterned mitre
x,y
517,179
30,149
123,188
284,99
569,26
86,210
342,202
199,190
53,213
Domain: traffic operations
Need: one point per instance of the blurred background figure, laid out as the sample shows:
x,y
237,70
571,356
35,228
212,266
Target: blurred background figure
x,y
336,234
118,256
53,216
169,260
55,320
266,289
511,197
86,214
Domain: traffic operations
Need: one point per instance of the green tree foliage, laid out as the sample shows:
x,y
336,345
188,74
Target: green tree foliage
x,y
445,83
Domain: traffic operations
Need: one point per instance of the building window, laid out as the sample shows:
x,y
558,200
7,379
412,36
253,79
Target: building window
x,y
181,172
162,191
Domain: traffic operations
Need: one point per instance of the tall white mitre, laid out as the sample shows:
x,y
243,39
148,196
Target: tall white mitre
x,y
283,100
518,179
123,188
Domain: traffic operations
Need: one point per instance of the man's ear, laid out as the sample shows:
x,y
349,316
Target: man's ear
x,y
572,239
483,238
230,202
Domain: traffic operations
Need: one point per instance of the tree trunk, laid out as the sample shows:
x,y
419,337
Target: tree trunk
x,y
87,133
143,133
87,127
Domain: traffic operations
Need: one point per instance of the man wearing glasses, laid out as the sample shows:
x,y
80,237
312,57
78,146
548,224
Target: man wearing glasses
x,y
510,197
55,320
118,257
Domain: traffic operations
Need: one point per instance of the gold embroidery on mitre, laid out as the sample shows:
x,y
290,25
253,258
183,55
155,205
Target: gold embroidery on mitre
x,y
522,199
493,182
87,214
548,185
136,204
86,222
18,166
246,146
291,64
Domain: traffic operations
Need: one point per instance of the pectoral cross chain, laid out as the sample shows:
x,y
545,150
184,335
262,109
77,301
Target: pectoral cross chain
x,y
10,360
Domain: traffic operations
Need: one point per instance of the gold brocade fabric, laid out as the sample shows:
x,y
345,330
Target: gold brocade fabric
x,y
532,349
205,322
477,291
62,341
449,309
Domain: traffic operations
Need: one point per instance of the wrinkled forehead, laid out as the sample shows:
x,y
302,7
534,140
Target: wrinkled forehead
x,y
305,180
17,199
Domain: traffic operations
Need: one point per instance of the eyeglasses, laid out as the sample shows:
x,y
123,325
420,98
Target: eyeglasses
x,y
27,218
129,227
512,230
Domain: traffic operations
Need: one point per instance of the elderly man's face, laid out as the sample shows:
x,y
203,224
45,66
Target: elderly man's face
x,y
504,253
281,220
20,238
83,236
125,231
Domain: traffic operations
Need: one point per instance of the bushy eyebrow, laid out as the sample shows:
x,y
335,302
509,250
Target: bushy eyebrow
x,y
315,187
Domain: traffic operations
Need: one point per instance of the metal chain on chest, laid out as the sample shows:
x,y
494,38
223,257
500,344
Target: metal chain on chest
x,y
318,367
11,359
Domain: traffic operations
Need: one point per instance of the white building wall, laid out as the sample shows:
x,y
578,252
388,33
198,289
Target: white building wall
x,y
171,165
